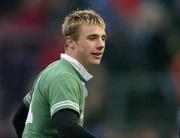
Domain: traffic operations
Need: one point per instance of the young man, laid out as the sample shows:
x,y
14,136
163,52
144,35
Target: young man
x,y
55,104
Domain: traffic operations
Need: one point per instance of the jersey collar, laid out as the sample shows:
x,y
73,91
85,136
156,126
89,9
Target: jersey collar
x,y
78,66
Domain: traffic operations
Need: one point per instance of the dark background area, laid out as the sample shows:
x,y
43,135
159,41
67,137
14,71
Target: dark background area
x,y
135,93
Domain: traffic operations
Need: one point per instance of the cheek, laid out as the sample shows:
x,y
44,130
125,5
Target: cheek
x,y
85,48
82,52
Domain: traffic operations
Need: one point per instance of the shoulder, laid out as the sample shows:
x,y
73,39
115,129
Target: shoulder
x,y
65,78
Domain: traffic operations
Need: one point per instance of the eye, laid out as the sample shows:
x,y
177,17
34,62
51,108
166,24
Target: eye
x,y
92,38
103,38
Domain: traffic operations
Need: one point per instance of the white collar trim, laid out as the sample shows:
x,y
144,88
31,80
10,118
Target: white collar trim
x,y
78,66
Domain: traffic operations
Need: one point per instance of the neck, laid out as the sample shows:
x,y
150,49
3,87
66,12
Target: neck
x,y
87,67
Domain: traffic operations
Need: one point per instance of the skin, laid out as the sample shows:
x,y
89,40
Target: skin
x,y
89,47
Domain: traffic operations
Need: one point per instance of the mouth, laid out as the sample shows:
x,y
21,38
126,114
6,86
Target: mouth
x,y
97,54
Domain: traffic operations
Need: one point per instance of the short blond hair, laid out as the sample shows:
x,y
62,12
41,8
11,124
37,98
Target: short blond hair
x,y
74,20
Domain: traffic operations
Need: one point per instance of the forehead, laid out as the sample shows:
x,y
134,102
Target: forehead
x,y
91,29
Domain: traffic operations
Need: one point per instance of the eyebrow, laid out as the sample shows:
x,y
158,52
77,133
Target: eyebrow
x,y
95,35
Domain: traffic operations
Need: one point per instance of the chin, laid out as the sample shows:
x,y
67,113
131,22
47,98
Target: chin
x,y
96,62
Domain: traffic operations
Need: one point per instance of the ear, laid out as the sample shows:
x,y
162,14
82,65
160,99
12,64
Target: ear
x,y
70,42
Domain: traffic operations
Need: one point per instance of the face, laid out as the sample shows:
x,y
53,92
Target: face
x,y
89,47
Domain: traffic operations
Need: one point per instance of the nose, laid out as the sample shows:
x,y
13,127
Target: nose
x,y
100,44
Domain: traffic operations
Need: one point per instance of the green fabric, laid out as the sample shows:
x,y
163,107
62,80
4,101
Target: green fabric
x,y
58,87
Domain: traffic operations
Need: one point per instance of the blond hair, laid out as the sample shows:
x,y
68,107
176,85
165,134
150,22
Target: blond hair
x,y
74,20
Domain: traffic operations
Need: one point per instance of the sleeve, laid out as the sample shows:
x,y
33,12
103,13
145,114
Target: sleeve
x,y
64,94
27,99
19,119
178,121
66,122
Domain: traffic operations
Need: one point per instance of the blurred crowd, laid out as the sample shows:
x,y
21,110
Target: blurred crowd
x,y
136,92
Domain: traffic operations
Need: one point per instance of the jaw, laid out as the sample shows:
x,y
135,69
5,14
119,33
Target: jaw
x,y
95,60
91,63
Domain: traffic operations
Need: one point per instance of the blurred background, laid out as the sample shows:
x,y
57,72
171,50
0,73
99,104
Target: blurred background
x,y
135,92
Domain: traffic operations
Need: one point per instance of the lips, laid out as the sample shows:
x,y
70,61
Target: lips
x,y
97,55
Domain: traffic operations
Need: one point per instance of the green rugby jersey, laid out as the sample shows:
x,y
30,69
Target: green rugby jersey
x,y
59,86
